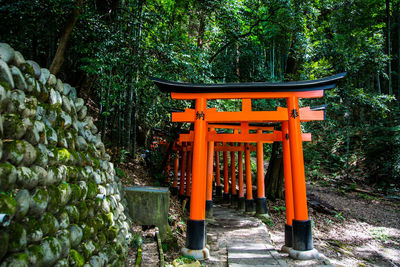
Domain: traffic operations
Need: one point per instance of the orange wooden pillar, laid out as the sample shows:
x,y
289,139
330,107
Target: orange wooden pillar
x,y
183,172
241,199
218,188
249,187
188,175
261,201
210,176
226,197
174,189
288,186
302,235
196,227
234,196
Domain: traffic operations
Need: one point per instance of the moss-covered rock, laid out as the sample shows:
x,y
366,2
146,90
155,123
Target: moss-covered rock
x,y
30,154
75,193
38,202
84,189
62,263
73,213
65,192
18,240
49,224
64,238
16,260
26,178
35,255
33,230
42,156
83,211
75,235
41,174
8,205
4,237
76,259
8,176
52,250
87,249
63,219
14,151
22,198
92,189
13,126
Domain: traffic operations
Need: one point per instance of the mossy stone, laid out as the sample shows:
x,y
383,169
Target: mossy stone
x,y
35,255
18,240
49,224
92,189
23,198
38,202
62,263
16,260
76,234
83,210
42,156
33,230
63,219
75,193
101,238
65,192
13,127
83,187
75,258
4,237
54,203
87,249
14,151
52,250
8,175
26,178
8,205
64,238
88,231
73,213
112,232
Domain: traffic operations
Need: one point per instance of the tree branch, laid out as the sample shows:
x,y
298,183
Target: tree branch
x,y
58,59
242,35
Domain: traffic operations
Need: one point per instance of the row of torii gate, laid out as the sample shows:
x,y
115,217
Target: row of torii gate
x,y
199,146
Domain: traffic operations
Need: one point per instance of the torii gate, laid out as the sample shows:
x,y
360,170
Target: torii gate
x,y
291,91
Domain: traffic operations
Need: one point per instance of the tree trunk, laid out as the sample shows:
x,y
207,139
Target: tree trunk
x,y
388,44
62,46
274,176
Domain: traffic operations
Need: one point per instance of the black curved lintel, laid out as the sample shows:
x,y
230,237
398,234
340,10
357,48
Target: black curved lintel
x,y
310,85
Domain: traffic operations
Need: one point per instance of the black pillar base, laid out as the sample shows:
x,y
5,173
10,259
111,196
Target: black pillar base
x,y
181,197
174,191
209,208
226,198
250,207
288,235
234,199
218,191
241,203
261,205
302,235
196,234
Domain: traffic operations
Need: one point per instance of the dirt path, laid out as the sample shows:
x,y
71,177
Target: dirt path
x,y
364,231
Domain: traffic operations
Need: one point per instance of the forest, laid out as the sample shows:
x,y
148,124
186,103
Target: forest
x,y
108,49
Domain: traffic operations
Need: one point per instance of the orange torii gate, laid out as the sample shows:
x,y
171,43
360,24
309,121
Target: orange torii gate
x,y
237,198
302,247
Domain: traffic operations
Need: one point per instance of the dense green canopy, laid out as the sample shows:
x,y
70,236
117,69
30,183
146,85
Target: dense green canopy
x,y
108,49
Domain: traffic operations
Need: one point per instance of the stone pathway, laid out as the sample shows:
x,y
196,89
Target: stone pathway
x,y
239,240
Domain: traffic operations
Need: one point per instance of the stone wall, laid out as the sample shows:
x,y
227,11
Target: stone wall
x,y
61,203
